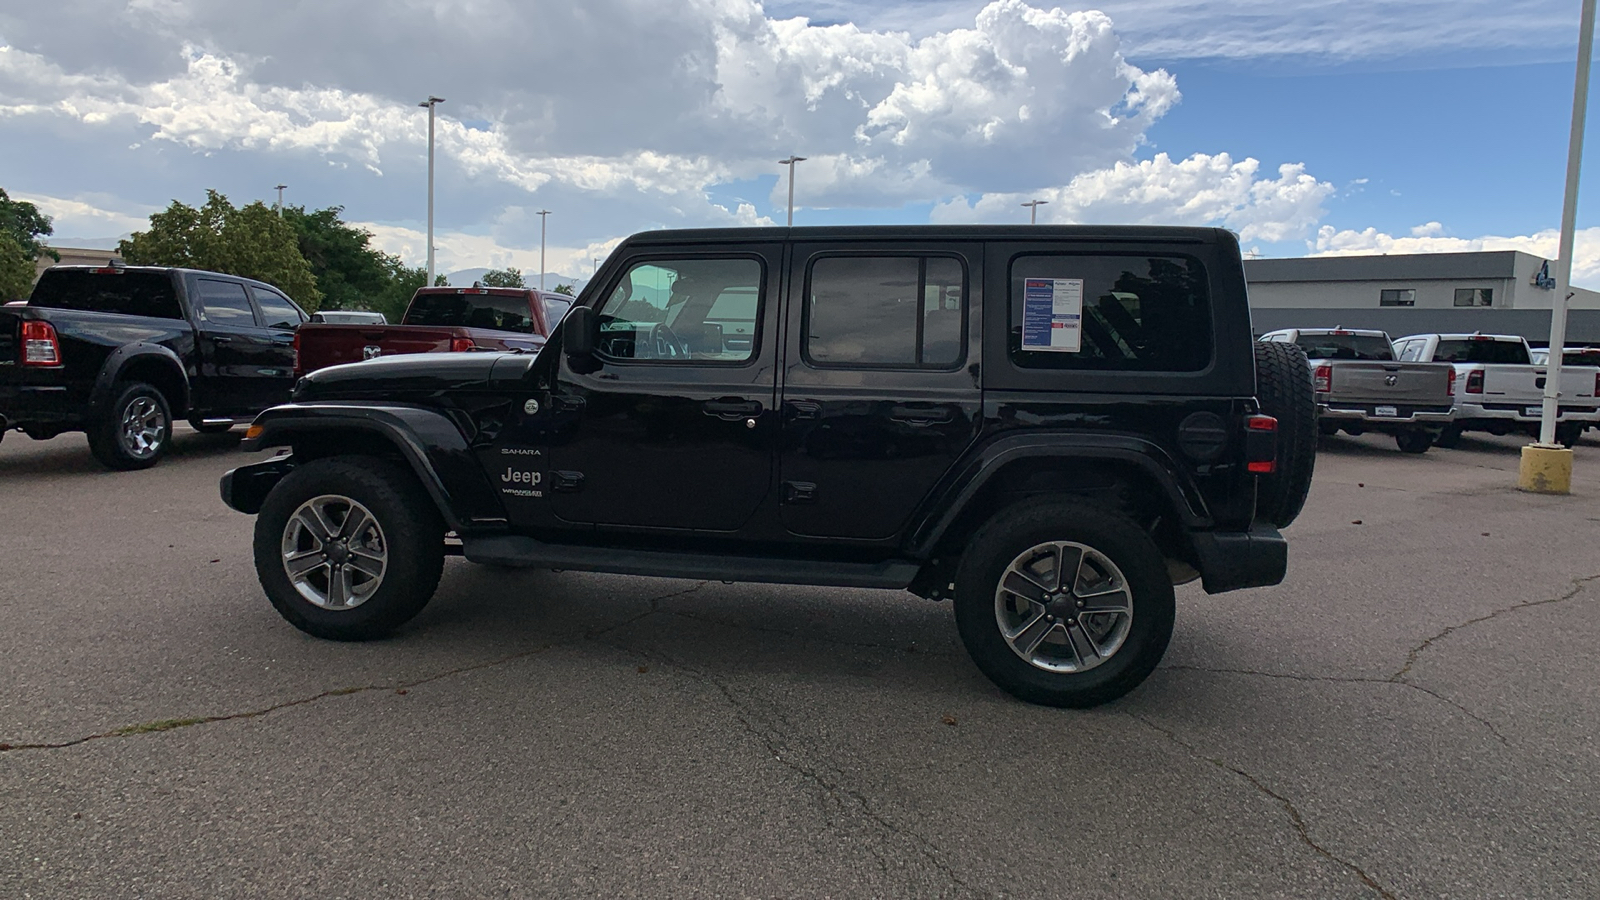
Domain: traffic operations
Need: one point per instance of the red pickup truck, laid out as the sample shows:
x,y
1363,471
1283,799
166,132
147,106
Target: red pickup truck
x,y
439,319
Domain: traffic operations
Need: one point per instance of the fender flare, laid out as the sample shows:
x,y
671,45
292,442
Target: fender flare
x,y
118,361
430,442
967,478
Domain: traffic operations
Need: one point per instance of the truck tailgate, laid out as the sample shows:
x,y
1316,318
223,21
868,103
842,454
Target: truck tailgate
x,y
319,346
1391,382
1525,384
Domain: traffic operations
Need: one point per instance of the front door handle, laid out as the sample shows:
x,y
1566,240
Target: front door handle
x,y
921,416
220,339
731,408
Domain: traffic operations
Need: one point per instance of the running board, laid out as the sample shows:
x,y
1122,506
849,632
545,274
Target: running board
x,y
514,550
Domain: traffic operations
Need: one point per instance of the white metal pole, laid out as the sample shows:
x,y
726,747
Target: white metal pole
x,y
542,220
1569,219
280,199
790,162
1033,210
430,103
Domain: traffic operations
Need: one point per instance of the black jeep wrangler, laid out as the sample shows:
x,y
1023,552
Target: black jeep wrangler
x,y
1051,426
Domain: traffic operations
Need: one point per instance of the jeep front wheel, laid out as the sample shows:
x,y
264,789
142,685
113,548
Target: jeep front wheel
x,y
1063,604
349,548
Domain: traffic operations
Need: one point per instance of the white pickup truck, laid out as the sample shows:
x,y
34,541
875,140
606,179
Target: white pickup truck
x,y
1498,389
1360,386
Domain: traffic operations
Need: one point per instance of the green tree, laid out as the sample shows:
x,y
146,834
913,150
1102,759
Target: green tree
x,y
564,289
507,277
16,269
251,241
25,224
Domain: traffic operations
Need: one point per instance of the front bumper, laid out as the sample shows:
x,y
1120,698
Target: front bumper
x,y
245,488
1231,560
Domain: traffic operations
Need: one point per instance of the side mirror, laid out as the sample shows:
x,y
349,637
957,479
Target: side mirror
x,y
579,328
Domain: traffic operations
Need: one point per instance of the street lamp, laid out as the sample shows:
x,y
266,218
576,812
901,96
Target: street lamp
x,y
790,163
1033,210
430,103
542,214
1546,467
280,199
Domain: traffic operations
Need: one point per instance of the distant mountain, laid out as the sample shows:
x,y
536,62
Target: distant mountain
x,y
466,277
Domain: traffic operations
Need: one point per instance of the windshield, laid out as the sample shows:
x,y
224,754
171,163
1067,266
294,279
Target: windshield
x,y
1482,350
1346,346
129,293
493,311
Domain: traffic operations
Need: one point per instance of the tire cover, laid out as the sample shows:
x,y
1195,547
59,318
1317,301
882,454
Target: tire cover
x,y
1283,391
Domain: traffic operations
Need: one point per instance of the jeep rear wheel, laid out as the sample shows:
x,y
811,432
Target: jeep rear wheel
x,y
349,548
1283,389
1062,604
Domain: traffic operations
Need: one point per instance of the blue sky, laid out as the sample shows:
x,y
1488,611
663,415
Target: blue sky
x,y
1309,126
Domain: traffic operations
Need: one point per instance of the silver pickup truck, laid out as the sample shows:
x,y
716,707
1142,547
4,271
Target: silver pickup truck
x,y
1360,386
1500,390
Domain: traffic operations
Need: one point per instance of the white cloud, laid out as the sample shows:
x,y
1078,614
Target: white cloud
x,y
1202,189
78,217
1428,239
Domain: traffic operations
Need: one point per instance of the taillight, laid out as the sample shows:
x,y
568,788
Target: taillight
x,y
1261,444
1322,379
1475,382
1451,391
458,345
297,370
39,344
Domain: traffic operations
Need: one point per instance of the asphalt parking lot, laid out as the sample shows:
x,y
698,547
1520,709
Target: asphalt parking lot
x,y
1412,714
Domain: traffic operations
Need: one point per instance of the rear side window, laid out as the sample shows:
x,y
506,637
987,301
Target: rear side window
x,y
1373,347
225,303
129,293
1482,351
496,312
1110,313
888,311
277,309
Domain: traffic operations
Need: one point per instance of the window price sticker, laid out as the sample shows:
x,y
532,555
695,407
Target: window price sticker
x,y
1052,314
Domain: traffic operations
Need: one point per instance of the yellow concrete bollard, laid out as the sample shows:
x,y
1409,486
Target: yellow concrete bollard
x,y
1545,470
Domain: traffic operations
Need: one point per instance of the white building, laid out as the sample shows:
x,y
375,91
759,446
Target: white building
x,y
1502,291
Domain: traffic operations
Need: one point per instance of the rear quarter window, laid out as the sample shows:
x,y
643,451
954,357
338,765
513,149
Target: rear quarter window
x,y
148,294
1111,313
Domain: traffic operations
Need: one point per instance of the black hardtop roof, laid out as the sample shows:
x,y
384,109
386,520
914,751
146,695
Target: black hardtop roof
x,y
1172,233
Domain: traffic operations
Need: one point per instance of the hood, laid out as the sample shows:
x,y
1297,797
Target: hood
x,y
427,373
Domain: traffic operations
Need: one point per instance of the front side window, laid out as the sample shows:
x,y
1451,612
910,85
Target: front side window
x,y
675,310
1398,297
225,303
885,311
1110,313
277,309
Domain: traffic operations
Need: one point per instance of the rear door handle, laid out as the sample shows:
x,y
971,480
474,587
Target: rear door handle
x,y
921,416
731,408
804,409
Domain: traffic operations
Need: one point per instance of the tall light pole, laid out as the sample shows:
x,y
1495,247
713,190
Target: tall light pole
x,y
280,199
542,220
790,162
1547,466
430,103
1033,210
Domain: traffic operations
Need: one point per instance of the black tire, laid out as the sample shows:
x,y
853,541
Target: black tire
x,y
1283,389
1568,435
1017,529
214,428
410,532
1449,437
135,430
1413,441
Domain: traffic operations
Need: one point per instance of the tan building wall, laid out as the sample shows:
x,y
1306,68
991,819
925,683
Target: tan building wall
x,y
76,256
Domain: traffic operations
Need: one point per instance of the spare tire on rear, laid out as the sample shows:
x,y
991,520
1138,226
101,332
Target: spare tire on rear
x,y
1283,390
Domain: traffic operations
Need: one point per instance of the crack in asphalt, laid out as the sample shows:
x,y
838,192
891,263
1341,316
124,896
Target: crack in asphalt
x,y
1350,679
786,756
807,636
1578,585
1296,819
161,725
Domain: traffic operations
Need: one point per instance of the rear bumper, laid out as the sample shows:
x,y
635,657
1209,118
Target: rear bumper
x,y
49,405
1231,560
1367,414
1517,412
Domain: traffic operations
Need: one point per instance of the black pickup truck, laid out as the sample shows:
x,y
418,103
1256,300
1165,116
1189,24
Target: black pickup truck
x,y
118,351
1050,425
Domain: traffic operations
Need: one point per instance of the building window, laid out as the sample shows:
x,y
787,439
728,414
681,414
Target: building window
x,y
1402,297
1474,296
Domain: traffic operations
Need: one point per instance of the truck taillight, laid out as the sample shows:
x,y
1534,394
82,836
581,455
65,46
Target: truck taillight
x,y
1261,444
1475,382
39,344
297,370
1451,391
458,345
1322,379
